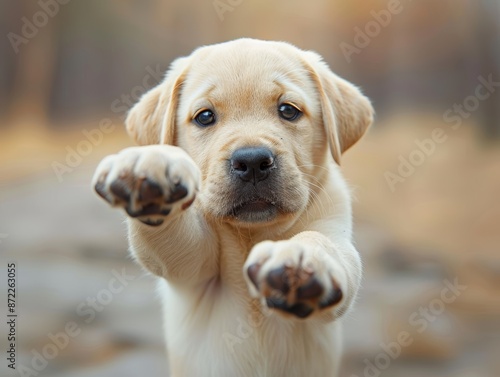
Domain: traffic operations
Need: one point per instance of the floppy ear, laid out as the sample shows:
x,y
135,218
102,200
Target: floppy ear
x,y
346,112
152,119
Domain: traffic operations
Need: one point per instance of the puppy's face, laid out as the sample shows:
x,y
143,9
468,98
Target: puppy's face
x,y
249,117
259,119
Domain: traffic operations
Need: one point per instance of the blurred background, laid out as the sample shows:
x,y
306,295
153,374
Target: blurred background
x,y
426,178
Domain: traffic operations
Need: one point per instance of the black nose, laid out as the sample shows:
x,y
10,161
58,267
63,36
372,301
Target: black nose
x,y
252,164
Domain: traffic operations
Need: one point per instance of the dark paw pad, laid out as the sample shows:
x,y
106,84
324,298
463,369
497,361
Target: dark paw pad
x,y
148,210
179,192
152,222
149,191
333,298
121,189
294,290
300,310
277,279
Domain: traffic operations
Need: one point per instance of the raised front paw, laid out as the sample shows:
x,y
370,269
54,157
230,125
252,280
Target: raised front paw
x,y
149,182
292,278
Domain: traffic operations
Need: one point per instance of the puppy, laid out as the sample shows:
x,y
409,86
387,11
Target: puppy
x,y
236,202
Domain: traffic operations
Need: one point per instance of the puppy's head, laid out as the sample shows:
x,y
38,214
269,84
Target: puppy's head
x,y
262,120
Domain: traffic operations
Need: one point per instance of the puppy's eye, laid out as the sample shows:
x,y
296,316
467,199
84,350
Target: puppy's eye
x,y
289,112
205,118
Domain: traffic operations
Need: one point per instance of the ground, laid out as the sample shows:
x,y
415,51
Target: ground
x,y
438,227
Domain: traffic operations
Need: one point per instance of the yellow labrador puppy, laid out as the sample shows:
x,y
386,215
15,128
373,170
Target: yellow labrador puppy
x,y
236,202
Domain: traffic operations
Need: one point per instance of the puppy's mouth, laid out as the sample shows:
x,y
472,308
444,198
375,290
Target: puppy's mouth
x,y
255,210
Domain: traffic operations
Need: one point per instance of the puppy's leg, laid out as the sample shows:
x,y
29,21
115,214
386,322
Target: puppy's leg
x,y
304,275
157,187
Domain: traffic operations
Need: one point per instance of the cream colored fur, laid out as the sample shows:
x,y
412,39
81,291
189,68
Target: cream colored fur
x,y
216,321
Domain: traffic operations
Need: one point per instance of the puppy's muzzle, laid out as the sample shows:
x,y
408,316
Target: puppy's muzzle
x,y
253,164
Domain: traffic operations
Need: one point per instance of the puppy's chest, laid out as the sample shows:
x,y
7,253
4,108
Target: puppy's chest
x,y
219,330
230,334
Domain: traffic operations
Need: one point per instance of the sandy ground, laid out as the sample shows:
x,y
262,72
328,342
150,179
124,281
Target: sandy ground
x,y
442,224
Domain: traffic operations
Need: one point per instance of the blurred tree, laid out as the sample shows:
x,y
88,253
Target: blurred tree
x,y
488,39
35,68
428,56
